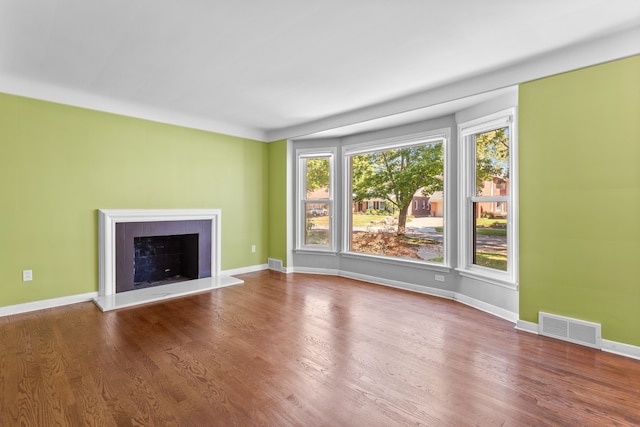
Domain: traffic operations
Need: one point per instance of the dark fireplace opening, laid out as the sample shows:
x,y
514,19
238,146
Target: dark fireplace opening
x,y
159,260
155,253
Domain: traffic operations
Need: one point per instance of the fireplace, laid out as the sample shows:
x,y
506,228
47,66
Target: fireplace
x,y
155,253
149,254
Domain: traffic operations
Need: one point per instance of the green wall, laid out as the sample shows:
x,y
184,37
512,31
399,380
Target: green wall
x,y
579,144
59,164
278,200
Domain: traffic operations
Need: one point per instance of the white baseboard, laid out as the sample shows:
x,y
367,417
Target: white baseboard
x,y
73,299
442,293
243,270
614,347
47,303
308,270
621,349
486,307
399,285
523,325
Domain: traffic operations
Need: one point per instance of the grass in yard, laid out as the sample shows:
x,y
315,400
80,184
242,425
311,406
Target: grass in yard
x,y
358,220
483,231
491,260
361,220
491,231
491,223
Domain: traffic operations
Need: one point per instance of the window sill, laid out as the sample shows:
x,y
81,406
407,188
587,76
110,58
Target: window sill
x,y
396,261
315,252
488,279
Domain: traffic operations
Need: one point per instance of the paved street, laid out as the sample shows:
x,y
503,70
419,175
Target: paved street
x,y
426,228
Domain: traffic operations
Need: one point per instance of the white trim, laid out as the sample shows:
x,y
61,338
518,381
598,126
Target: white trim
x,y
47,303
608,346
315,252
442,293
486,278
310,270
390,143
523,325
466,193
486,307
15,85
621,349
436,292
301,199
108,218
491,121
92,296
244,270
397,261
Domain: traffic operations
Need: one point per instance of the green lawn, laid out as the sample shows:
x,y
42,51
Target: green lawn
x,y
491,223
491,260
491,231
483,231
359,220
487,227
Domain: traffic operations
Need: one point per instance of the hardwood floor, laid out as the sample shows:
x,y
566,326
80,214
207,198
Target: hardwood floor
x,y
302,350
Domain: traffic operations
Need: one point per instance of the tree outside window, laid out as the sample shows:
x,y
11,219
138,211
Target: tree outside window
x,y
396,176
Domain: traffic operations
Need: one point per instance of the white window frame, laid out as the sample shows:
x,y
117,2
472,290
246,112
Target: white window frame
x,y
302,155
438,135
467,195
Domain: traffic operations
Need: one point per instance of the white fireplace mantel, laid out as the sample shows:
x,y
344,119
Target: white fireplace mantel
x,y
107,220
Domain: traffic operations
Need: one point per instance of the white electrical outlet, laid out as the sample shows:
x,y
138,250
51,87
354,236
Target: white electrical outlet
x,y
27,275
253,248
439,278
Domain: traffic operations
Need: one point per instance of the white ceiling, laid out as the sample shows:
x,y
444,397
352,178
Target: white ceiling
x,y
268,69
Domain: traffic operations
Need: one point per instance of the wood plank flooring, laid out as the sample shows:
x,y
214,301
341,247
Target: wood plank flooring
x,y
302,350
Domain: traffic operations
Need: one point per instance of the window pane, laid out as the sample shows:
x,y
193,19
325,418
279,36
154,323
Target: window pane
x,y
398,203
317,179
317,224
492,163
490,235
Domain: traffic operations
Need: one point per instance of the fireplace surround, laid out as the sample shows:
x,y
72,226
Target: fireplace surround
x,y
112,223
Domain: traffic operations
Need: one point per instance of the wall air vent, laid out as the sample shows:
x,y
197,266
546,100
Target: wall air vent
x,y
568,329
275,264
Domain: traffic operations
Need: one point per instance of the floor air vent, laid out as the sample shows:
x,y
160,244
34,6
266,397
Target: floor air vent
x,y
568,329
275,264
